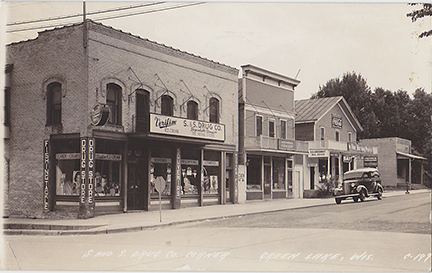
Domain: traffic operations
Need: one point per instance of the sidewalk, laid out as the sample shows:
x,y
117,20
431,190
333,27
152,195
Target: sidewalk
x,y
136,221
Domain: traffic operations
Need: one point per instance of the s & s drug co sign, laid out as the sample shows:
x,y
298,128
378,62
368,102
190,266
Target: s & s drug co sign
x,y
167,125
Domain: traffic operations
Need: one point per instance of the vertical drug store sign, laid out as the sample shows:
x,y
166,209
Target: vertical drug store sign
x,y
87,163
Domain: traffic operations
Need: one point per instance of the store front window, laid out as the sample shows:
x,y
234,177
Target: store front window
x,y
190,172
290,177
211,172
278,174
254,173
108,168
161,167
67,167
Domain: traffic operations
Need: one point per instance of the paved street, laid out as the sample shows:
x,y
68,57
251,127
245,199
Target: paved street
x,y
309,239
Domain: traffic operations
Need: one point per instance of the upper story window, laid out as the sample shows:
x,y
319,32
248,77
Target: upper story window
x,y
349,137
322,136
142,110
337,135
271,128
167,105
7,94
114,93
258,125
54,103
283,129
192,110
214,110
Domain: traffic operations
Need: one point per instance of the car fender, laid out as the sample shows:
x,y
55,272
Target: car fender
x,y
380,187
360,188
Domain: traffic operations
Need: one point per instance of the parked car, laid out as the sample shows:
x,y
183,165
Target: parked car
x,y
359,184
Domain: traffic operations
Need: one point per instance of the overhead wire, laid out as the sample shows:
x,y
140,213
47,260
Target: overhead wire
x,y
108,18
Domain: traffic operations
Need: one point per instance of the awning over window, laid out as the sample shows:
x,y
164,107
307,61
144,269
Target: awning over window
x,y
404,155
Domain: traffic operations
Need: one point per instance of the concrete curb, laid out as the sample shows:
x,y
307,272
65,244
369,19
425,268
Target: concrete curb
x,y
57,230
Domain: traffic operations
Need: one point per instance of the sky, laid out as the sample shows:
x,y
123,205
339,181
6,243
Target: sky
x,y
314,41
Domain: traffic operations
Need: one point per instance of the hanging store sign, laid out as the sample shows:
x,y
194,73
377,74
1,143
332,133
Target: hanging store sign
x,y
359,148
100,115
160,160
186,127
110,157
68,156
189,162
210,163
318,153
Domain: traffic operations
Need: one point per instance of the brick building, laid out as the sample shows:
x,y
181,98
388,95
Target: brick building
x,y
99,119
272,157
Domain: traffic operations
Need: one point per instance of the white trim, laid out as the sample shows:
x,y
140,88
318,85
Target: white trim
x,y
274,112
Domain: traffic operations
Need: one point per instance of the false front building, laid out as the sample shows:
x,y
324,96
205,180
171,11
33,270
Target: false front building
x,y
272,158
103,121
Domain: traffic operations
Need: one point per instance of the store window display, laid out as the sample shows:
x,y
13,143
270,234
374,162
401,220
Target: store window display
x,y
211,172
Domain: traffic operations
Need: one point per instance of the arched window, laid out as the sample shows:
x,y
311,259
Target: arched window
x,y
114,93
167,104
192,110
142,110
54,100
214,110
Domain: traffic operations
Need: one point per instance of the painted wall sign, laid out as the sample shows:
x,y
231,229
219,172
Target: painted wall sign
x,y
370,161
336,122
186,127
46,195
100,115
347,159
286,145
319,153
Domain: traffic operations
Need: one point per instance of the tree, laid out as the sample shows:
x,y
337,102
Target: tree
x,y
357,93
420,13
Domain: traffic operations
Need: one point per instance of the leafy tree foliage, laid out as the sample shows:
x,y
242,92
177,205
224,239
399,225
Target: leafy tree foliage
x,y
384,113
357,93
426,10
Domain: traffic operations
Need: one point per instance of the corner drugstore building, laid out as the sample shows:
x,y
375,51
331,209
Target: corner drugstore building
x,y
96,118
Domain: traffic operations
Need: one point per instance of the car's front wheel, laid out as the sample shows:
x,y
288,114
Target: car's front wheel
x,y
362,196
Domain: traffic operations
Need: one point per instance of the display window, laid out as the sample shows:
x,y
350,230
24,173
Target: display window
x,y
278,174
108,168
290,177
190,172
160,167
254,173
67,167
211,172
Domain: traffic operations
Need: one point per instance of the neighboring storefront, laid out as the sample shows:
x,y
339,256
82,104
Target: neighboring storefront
x,y
273,158
330,128
397,164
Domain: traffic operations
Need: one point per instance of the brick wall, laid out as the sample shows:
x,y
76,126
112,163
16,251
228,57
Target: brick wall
x,y
114,56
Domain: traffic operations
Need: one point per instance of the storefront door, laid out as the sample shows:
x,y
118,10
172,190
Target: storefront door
x,y
136,194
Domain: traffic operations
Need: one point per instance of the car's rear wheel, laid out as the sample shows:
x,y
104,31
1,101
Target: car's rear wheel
x,y
338,200
362,196
379,195
355,199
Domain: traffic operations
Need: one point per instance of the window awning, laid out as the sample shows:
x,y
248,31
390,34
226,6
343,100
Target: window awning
x,y
410,156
